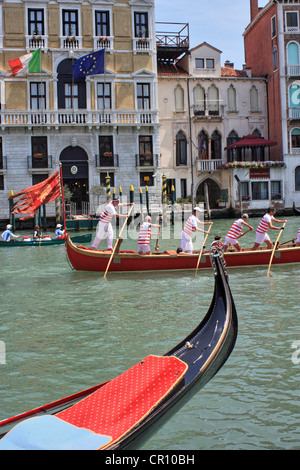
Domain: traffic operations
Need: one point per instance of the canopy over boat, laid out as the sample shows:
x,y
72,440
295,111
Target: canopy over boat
x,y
123,412
87,259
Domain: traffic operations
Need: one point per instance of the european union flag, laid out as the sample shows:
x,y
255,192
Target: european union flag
x,y
90,64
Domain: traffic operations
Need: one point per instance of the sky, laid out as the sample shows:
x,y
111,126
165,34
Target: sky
x,y
220,23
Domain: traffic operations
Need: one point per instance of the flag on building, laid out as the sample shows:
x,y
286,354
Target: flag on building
x,y
28,62
90,64
34,196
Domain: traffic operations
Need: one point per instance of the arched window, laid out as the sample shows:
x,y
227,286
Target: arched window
x,y
203,145
293,58
213,101
216,146
254,100
199,101
181,149
295,134
179,99
233,154
275,57
231,98
297,178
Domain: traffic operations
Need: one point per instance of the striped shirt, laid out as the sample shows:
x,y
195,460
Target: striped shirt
x,y
107,214
191,225
236,229
298,233
264,223
145,234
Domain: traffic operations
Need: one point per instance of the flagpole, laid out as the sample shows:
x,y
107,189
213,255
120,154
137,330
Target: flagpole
x,y
62,194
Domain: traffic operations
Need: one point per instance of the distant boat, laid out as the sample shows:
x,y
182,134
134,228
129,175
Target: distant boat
x,y
125,411
45,241
295,210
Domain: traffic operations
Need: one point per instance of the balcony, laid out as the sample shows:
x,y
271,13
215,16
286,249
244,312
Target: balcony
x,y
80,117
36,42
107,160
207,112
146,160
293,70
208,165
39,161
71,43
142,45
172,40
104,42
294,112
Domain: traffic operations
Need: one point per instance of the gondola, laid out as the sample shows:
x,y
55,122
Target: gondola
x,y
45,241
86,259
295,210
124,412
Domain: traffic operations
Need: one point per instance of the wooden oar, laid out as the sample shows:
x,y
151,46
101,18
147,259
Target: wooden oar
x,y
273,252
284,243
157,245
113,252
200,254
242,234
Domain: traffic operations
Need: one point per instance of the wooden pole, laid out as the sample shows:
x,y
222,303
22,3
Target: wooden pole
x,y
201,251
113,252
273,252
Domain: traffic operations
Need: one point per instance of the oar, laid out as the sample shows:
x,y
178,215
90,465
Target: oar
x,y
284,243
157,245
200,254
273,252
242,234
113,252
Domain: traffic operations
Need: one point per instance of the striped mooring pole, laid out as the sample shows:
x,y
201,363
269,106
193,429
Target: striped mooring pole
x,y
107,183
147,200
164,198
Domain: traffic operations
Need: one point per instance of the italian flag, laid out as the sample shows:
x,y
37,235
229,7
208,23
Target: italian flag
x,y
30,62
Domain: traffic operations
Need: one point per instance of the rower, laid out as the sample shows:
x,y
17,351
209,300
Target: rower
x,y
235,232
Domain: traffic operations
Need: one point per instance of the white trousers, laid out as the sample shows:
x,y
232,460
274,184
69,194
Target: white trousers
x,y
186,242
104,231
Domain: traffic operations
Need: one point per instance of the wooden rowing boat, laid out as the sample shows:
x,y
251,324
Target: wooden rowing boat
x,y
87,259
45,241
295,210
125,411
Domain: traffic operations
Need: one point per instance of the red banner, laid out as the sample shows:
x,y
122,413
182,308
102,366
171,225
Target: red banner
x,y
263,173
35,196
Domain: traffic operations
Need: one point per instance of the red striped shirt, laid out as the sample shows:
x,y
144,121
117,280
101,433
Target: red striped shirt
x,y
235,230
190,225
145,234
107,214
264,223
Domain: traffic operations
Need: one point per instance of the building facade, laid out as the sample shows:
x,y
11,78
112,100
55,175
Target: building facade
x,y
203,108
274,30
92,126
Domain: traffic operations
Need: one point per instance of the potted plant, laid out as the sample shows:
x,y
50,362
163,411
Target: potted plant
x,y
276,196
107,154
38,155
246,197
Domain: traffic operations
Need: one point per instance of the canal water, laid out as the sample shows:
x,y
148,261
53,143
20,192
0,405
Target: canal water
x,y
64,331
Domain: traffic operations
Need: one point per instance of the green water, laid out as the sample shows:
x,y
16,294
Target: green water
x,y
65,331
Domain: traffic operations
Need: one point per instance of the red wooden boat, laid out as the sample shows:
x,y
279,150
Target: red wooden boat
x,y
87,259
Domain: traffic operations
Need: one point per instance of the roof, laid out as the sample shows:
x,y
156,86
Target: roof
x,y
169,68
231,72
251,141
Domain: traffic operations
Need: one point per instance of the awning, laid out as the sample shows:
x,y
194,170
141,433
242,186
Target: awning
x,y
251,141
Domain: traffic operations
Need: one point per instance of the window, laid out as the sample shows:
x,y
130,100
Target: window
x,y
143,96
296,139
181,149
39,152
291,19
183,188
216,152
145,144
102,23
35,22
275,57
213,101
231,97
273,27
199,63
106,150
37,95
260,190
245,191
104,95
203,145
293,53
297,178
254,100
1,182
276,190
179,99
39,177
141,25
146,178
70,22
199,100
71,95
210,63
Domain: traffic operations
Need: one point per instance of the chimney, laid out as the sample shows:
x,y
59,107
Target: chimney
x,y
229,64
253,9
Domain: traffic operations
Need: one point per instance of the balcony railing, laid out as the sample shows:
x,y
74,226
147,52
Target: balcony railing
x,y
76,118
71,42
142,44
38,161
294,113
293,70
106,160
36,42
202,111
104,42
208,165
143,160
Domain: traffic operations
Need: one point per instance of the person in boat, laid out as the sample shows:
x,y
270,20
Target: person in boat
x,y
217,242
235,232
59,233
263,226
104,228
36,233
298,238
190,227
145,235
8,235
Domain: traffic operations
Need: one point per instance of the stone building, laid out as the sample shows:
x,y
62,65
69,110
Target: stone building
x,y
96,125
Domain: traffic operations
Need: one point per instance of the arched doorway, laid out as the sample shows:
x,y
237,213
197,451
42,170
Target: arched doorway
x,y
75,173
213,191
